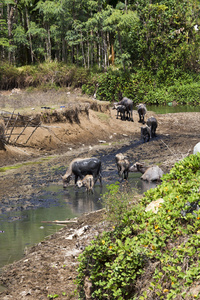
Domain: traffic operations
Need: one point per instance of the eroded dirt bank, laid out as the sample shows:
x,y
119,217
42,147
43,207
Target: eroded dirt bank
x,y
50,267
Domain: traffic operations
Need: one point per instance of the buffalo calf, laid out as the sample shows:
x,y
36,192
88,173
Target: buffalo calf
x,y
88,182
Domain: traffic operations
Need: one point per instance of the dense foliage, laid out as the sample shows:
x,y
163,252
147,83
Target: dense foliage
x,y
159,35
146,50
148,255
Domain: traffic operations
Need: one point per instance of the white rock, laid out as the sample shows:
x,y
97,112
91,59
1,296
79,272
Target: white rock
x,y
154,205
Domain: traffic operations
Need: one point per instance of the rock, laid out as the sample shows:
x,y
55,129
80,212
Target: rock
x,y
154,205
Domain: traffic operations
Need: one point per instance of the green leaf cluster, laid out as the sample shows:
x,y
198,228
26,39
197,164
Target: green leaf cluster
x,y
166,243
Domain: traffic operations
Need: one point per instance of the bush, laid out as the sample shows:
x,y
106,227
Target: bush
x,y
140,85
9,76
165,245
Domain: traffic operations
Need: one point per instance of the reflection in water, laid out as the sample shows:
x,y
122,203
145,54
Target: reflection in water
x,y
28,229
81,202
165,109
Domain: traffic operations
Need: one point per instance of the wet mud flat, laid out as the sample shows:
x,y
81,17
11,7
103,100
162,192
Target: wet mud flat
x,y
49,267
31,183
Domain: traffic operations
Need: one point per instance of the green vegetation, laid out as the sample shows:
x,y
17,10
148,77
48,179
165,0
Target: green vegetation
x,y
148,50
53,296
17,166
161,251
103,117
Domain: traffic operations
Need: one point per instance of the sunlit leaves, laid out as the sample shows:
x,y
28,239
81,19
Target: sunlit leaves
x,y
169,238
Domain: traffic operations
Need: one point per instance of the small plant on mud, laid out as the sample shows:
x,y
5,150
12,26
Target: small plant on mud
x,y
53,296
116,203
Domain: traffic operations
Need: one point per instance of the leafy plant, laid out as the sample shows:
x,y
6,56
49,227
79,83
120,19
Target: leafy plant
x,y
117,259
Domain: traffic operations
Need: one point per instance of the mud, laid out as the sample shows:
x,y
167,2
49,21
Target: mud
x,y
49,268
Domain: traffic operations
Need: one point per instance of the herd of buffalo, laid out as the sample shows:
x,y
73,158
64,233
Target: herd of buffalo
x,y
88,170
125,111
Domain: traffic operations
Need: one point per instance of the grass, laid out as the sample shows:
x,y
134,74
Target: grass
x,y
17,166
103,117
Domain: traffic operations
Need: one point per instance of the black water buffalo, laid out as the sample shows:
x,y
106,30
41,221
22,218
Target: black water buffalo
x,y
128,103
80,167
121,110
142,110
153,124
145,133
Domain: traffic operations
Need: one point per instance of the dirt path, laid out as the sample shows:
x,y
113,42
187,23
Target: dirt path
x,y
50,267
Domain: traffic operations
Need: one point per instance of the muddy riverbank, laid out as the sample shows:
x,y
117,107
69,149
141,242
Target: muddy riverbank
x,y
49,268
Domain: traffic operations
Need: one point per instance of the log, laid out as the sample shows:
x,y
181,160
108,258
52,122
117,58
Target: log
x,y
60,222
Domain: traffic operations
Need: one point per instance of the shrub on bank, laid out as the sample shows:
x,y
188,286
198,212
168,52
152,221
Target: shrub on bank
x,y
143,86
47,75
139,85
148,255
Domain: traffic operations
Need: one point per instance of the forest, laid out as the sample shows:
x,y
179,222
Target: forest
x,y
144,43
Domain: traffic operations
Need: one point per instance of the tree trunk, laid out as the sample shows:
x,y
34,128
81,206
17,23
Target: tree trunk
x,y
1,28
48,44
64,51
120,46
99,50
9,18
126,6
29,36
91,49
105,50
82,48
112,54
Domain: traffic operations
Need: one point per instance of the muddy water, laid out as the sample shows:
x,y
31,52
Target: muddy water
x,y
21,229
26,228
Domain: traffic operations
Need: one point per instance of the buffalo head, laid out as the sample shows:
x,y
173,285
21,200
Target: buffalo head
x,y
66,180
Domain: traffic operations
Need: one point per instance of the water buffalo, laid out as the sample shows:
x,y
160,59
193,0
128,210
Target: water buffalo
x,y
128,103
145,133
142,110
88,182
80,167
121,110
153,124
153,173
123,165
119,157
138,167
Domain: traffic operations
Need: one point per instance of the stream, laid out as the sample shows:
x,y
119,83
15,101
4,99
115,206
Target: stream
x,y
24,228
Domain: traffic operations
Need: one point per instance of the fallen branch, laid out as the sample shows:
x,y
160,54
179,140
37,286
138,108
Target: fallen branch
x,y
60,222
